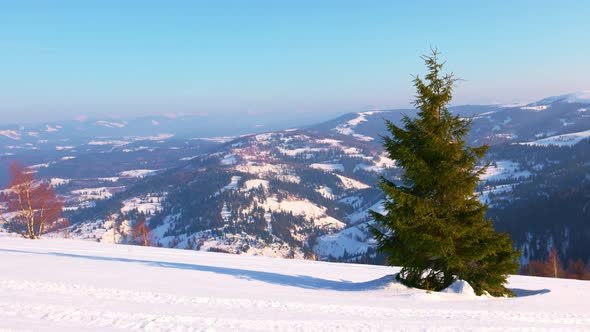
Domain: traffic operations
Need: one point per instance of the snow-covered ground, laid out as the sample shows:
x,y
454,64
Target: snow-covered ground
x,y
149,204
348,127
138,173
353,241
87,194
561,140
535,108
71,285
503,170
328,167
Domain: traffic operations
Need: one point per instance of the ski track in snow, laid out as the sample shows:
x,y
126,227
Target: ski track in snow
x,y
58,285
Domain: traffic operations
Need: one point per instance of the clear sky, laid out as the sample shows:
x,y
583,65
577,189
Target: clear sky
x,y
64,58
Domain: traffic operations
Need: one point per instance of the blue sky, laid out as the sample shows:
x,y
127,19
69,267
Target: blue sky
x,y
65,58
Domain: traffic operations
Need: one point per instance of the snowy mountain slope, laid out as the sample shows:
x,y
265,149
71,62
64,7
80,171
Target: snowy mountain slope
x,y
100,287
271,193
561,140
287,193
492,124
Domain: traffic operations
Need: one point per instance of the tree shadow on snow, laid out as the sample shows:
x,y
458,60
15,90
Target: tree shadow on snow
x,y
301,281
519,292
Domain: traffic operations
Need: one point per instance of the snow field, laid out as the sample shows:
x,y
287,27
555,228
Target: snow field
x,y
149,204
348,127
138,173
306,208
349,183
10,134
100,287
535,108
561,140
88,194
504,169
328,167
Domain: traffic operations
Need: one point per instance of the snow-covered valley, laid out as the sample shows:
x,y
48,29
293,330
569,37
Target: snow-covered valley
x,y
73,285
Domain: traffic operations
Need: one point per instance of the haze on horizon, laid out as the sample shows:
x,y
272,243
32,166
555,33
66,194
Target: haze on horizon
x,y
62,59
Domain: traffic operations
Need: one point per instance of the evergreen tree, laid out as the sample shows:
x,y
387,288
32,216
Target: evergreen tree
x,y
435,227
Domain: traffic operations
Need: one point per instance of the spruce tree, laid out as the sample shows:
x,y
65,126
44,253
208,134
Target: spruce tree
x,y
435,227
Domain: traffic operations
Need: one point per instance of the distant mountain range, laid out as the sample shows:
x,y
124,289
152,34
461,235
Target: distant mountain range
x,y
306,192
84,130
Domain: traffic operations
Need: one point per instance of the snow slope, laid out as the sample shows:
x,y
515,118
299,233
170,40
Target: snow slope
x,y
561,140
503,170
71,285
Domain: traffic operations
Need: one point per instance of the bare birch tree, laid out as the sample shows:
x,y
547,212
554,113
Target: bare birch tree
x,y
31,207
141,232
